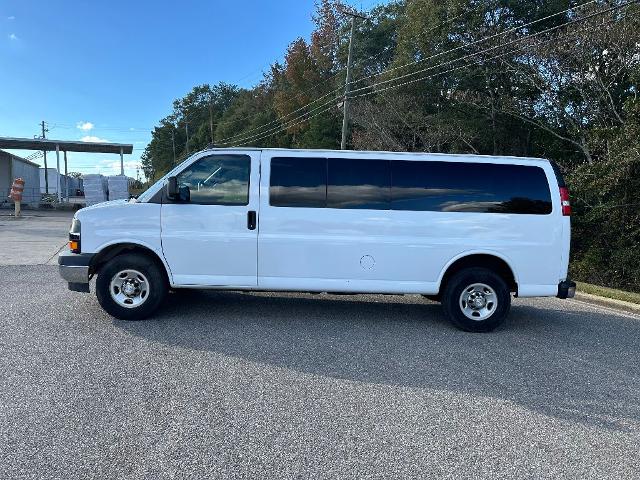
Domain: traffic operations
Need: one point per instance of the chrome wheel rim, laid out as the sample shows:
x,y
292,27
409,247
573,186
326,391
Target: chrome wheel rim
x,y
129,288
478,301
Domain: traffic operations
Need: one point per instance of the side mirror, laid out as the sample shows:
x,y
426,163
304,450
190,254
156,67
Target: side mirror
x,y
176,193
184,194
172,188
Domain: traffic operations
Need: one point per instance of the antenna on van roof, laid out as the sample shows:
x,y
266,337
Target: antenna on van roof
x,y
212,145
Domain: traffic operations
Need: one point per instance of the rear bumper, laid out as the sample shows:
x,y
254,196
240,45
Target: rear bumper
x,y
74,268
566,289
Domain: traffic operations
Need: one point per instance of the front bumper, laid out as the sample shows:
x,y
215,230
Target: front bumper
x,y
75,269
566,289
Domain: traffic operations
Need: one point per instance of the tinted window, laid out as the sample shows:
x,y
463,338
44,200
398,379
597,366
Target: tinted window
x,y
356,183
469,187
298,182
218,180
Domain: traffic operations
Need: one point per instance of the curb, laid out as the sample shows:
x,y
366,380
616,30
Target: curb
x,y
608,302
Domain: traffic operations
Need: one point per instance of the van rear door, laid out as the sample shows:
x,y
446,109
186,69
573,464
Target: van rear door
x,y
212,238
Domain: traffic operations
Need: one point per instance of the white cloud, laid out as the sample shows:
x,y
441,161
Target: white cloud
x,y
93,139
13,36
86,126
11,17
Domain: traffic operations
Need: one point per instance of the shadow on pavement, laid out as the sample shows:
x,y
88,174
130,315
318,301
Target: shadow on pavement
x,y
578,365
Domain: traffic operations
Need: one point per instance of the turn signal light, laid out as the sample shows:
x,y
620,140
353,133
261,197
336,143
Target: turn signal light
x,y
74,246
565,202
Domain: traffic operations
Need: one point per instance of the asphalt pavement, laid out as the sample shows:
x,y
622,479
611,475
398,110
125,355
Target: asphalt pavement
x,y
273,385
33,239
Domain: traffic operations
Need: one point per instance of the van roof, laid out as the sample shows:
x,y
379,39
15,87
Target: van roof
x,y
375,152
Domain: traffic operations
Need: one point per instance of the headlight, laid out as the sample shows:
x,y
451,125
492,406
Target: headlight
x,y
74,236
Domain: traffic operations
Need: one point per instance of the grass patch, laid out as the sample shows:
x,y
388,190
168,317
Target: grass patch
x,y
609,292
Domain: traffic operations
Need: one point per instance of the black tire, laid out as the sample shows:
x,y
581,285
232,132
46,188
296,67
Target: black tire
x,y
156,291
451,299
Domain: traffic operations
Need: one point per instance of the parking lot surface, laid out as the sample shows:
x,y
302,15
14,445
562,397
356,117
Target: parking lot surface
x,y
35,238
274,385
259,385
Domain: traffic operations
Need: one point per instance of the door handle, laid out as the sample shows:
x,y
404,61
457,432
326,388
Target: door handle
x,y
251,220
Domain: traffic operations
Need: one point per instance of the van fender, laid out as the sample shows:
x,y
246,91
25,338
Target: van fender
x,y
467,253
142,244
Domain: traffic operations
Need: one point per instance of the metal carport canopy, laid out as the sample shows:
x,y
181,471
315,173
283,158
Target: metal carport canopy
x,y
48,145
64,145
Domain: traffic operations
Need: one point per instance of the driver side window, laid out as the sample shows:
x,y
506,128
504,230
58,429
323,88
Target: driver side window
x,y
218,180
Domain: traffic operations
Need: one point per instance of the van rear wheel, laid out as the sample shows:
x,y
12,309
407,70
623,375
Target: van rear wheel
x,y
131,287
476,300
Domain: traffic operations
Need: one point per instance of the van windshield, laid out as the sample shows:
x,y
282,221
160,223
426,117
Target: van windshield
x,y
149,192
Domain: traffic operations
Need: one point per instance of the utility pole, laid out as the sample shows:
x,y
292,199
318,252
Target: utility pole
x,y
347,84
66,178
58,183
186,127
211,116
173,143
46,171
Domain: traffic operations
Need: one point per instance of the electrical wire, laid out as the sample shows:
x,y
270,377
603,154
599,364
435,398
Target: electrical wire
x,y
475,42
526,37
281,127
231,139
227,140
297,123
253,139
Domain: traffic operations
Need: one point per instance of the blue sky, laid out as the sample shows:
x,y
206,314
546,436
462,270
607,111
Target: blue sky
x,y
111,69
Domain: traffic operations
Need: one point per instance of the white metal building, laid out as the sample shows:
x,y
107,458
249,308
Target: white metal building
x,y
68,185
12,167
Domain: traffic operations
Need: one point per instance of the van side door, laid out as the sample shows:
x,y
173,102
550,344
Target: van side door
x,y
211,239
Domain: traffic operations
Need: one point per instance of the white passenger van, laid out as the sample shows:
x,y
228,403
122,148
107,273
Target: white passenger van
x,y
466,230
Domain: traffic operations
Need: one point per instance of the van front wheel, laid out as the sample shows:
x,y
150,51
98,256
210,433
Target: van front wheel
x,y
476,300
130,287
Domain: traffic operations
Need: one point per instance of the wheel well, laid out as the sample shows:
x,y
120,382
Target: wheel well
x,y
489,262
114,250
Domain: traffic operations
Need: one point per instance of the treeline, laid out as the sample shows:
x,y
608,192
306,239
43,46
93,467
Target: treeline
x,y
505,77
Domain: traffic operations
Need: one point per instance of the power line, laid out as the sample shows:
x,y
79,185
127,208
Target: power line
x,y
526,37
107,128
459,67
230,139
475,42
313,87
288,124
254,139
277,130
424,32
297,94
371,57
278,120
225,140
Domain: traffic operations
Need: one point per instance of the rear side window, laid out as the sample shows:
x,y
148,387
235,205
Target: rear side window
x,y
359,183
298,182
469,187
409,185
